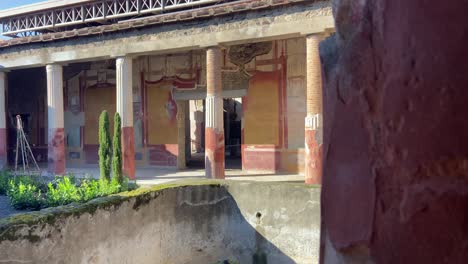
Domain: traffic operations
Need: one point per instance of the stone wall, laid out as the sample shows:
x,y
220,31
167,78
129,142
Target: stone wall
x,y
202,223
395,188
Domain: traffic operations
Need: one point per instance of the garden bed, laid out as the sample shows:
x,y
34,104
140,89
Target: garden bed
x,y
35,193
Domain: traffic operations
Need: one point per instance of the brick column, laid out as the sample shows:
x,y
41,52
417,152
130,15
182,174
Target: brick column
x,y
214,129
56,133
313,121
124,83
3,136
181,109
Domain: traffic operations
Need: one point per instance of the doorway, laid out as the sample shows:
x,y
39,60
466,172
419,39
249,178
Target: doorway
x,y
232,112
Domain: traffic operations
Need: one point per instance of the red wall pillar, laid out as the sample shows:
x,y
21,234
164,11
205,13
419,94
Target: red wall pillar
x,y
395,185
214,130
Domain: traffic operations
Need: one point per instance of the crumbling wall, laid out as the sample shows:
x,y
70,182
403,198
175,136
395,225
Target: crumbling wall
x,y
395,188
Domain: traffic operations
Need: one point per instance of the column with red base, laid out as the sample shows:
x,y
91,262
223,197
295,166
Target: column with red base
x,y
313,122
214,127
3,133
125,109
56,133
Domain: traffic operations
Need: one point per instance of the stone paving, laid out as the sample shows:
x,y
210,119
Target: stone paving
x,y
5,208
151,176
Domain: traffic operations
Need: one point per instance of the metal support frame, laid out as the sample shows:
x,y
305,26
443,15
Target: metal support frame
x,y
32,24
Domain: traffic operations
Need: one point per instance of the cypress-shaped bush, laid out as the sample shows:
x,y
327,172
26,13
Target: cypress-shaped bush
x,y
117,150
105,150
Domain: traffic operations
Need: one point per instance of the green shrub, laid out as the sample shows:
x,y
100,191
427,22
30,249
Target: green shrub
x,y
6,177
4,182
89,189
64,193
24,195
108,187
117,150
104,146
32,193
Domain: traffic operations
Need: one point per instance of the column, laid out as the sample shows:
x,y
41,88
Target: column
x,y
313,121
181,109
56,133
124,74
214,129
3,137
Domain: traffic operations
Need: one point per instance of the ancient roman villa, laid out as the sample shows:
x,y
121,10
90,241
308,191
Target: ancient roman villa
x,y
234,131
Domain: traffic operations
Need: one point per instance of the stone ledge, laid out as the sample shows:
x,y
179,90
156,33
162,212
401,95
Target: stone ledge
x,y
49,216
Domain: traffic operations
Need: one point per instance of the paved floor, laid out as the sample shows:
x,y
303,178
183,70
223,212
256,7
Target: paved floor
x,y
150,176
5,208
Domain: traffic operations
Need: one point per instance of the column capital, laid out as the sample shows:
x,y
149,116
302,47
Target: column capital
x,y
123,57
53,67
320,36
214,47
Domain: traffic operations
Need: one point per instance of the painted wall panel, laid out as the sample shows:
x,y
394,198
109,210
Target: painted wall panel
x,y
162,112
261,111
97,100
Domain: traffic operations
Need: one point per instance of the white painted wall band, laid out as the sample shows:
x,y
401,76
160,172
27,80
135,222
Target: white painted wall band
x,y
3,81
214,112
313,122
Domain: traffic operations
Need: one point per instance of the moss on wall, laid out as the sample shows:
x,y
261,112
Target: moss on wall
x,y
10,227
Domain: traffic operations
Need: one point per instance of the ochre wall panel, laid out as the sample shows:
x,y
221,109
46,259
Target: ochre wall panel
x,y
162,112
261,113
96,101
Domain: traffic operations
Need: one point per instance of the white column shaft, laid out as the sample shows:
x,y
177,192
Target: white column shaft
x,y
3,80
124,90
55,96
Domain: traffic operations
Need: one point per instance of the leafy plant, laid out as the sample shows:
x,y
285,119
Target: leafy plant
x,y
89,189
108,187
28,192
4,182
6,177
104,146
117,150
24,195
64,193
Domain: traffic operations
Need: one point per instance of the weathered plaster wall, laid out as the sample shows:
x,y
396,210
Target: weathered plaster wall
x,y
395,188
193,224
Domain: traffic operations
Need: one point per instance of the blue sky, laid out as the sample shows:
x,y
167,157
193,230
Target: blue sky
x,y
5,4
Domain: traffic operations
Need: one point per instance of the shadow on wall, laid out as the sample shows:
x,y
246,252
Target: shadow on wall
x,y
221,230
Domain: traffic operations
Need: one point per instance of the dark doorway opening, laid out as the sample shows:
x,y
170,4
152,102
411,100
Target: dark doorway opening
x,y
232,134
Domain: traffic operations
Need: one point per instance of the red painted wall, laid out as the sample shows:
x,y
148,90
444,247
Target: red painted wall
x,y
395,184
